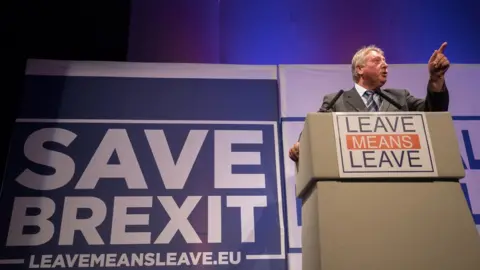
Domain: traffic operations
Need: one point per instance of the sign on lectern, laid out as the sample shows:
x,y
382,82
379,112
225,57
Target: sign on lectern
x,y
382,144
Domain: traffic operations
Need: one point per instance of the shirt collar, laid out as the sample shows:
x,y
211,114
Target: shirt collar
x,y
360,89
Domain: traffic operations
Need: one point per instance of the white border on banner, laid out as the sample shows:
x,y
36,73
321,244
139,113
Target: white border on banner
x,y
149,70
205,122
12,261
287,80
303,86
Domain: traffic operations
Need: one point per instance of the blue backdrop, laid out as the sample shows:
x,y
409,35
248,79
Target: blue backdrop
x,y
301,31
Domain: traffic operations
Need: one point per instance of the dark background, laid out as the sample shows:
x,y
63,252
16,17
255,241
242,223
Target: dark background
x,y
67,30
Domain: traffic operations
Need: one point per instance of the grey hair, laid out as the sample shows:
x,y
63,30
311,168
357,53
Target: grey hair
x,y
359,59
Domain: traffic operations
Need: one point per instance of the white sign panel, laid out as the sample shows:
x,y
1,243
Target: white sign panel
x,y
379,144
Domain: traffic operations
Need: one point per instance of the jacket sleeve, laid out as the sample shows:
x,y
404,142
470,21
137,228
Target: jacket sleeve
x,y
433,102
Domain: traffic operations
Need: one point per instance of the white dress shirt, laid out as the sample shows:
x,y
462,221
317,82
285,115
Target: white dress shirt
x,y
361,90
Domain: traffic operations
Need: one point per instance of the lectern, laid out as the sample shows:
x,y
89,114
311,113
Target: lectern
x,y
381,191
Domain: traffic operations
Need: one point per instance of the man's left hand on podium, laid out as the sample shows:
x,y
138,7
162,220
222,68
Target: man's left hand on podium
x,y
294,152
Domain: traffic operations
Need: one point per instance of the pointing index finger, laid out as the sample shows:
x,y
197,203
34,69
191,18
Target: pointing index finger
x,y
442,47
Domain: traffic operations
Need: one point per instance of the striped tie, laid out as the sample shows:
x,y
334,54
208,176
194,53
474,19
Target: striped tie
x,y
371,104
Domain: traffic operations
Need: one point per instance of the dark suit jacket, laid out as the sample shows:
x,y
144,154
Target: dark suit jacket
x,y
351,101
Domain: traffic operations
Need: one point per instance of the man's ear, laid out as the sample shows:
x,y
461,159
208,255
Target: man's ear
x,y
359,69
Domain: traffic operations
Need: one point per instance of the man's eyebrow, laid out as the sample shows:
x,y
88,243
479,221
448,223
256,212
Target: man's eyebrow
x,y
378,57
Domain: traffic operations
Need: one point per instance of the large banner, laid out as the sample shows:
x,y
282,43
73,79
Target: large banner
x,y
174,166
302,88
136,165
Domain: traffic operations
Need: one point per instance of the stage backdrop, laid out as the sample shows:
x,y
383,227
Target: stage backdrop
x,y
136,165
176,165
302,88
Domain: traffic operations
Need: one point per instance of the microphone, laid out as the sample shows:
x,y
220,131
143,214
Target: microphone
x,y
389,99
332,102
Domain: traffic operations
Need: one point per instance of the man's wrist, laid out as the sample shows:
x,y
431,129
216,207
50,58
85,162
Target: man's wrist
x,y
436,77
436,83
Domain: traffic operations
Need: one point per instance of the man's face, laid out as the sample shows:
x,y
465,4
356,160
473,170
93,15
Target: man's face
x,y
374,71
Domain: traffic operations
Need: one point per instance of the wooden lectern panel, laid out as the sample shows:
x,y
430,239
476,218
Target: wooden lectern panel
x,y
445,145
394,226
318,152
375,145
381,191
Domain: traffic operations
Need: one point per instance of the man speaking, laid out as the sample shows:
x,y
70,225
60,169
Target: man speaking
x,y
369,71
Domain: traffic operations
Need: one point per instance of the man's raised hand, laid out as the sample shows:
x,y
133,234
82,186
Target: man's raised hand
x,y
438,63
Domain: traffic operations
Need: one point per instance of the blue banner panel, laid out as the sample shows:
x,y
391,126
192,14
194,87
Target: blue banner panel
x,y
149,98
164,173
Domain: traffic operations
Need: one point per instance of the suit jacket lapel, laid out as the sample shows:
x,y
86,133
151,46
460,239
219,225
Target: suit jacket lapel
x,y
386,106
353,99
